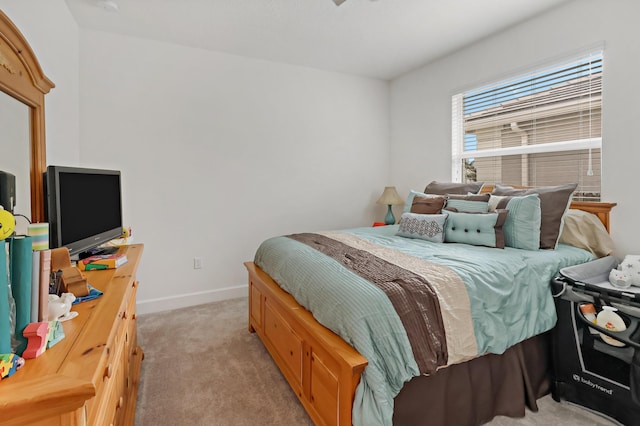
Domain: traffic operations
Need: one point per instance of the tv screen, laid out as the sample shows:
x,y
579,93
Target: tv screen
x,y
84,208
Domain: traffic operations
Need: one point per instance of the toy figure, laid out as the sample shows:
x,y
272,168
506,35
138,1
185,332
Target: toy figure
x,y
7,224
9,364
37,333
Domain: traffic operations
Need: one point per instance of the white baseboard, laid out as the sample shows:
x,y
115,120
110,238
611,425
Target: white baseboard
x,y
191,299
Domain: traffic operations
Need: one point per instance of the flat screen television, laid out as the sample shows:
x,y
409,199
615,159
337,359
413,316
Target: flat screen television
x,y
83,208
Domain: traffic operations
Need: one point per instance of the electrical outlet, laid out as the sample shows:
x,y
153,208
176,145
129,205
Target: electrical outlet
x,y
197,263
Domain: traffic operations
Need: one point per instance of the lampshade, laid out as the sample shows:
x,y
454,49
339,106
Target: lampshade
x,y
390,196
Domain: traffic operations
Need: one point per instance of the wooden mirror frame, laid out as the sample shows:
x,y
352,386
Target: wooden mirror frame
x,y
22,78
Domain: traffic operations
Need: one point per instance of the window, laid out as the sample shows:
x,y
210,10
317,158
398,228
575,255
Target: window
x,y
540,128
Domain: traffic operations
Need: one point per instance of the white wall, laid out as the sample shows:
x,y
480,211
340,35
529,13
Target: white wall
x,y
420,122
52,33
219,152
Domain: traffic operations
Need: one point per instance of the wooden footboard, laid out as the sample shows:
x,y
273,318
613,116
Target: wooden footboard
x,y
321,368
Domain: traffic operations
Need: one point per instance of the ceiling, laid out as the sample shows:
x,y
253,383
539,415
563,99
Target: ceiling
x,y
373,38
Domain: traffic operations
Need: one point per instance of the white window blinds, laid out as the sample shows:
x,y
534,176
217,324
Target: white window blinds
x,y
540,128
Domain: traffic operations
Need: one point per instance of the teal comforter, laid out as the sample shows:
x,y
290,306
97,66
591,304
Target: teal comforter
x,y
490,300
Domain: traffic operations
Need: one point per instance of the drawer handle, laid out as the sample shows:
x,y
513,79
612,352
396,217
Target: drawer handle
x,y
120,402
134,316
108,371
124,315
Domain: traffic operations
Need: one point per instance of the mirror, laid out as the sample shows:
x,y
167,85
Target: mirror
x,y
22,79
15,144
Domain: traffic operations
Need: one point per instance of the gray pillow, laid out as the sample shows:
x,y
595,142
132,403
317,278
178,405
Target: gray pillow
x,y
554,202
443,188
428,227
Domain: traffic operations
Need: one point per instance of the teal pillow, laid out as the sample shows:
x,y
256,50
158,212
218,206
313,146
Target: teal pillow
x,y
428,227
468,205
478,229
522,227
554,202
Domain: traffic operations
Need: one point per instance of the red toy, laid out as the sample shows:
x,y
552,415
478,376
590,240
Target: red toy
x,y
37,333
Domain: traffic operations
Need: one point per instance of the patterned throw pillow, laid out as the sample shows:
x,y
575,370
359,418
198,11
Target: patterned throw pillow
x,y
428,227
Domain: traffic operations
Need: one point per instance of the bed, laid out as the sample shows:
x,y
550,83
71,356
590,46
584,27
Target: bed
x,y
478,356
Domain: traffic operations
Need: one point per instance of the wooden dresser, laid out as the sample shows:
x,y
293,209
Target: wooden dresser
x,y
91,376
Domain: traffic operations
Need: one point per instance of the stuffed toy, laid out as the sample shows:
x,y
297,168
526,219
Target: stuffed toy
x,y
627,273
631,266
619,279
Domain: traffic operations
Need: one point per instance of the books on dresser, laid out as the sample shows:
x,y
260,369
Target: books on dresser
x,y
45,276
102,261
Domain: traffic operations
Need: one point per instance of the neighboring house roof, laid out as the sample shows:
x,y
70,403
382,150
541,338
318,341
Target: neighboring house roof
x,y
568,97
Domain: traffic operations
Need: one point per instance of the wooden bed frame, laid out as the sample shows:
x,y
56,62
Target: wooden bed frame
x,y
321,368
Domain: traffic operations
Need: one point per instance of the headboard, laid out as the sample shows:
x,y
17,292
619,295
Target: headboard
x,y
600,209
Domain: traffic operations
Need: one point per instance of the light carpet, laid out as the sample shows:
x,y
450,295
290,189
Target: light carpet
x,y
203,367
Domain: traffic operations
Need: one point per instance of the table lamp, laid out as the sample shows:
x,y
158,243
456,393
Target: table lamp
x,y
390,197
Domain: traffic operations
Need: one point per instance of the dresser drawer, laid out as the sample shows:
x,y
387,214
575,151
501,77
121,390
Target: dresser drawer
x,y
286,342
101,409
255,310
132,324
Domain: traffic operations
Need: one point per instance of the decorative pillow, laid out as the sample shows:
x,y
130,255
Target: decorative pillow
x,y
468,203
522,227
412,195
442,188
478,229
469,197
584,230
428,227
554,202
426,204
